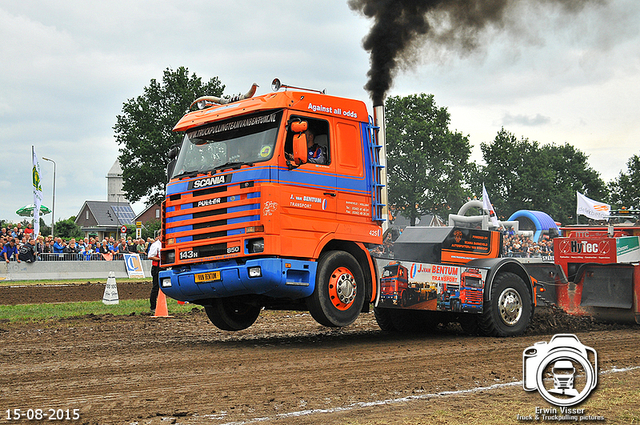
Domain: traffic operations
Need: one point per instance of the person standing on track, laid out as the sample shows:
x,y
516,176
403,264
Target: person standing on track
x,y
154,256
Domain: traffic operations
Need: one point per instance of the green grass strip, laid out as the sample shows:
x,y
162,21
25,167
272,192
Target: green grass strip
x,y
69,281
48,312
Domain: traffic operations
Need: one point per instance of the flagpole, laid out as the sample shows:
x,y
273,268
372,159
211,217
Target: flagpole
x,y
53,207
35,224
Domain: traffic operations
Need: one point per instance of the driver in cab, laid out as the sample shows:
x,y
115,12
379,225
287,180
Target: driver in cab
x,y
315,152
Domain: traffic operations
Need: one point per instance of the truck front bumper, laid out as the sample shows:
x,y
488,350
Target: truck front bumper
x,y
272,277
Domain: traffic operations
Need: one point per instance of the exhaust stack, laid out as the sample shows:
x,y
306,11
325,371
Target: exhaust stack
x,y
378,118
207,101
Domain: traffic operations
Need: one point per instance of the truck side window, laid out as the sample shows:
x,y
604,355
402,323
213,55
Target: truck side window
x,y
318,141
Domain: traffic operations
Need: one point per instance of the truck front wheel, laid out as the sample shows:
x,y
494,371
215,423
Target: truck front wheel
x,y
229,314
509,311
340,290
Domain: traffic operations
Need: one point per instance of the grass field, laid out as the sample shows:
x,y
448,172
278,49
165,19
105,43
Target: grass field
x,y
66,281
45,312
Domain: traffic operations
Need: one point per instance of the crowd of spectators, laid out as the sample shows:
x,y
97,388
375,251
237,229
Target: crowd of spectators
x,y
18,244
514,245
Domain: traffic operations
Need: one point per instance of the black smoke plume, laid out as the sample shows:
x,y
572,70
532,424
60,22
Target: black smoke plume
x,y
400,25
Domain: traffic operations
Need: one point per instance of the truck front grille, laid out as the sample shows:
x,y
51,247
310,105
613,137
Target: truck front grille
x,y
206,220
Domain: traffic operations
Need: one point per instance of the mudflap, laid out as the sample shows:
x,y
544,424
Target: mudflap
x,y
551,279
609,292
606,292
606,285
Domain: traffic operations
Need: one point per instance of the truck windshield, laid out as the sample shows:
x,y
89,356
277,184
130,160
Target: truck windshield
x,y
473,281
390,271
229,143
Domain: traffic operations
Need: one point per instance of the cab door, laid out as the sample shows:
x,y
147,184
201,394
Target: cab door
x,y
308,191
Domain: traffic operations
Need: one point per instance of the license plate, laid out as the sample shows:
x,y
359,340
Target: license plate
x,y
207,277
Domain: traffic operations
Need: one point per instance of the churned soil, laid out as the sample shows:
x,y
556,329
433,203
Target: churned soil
x,y
286,368
63,292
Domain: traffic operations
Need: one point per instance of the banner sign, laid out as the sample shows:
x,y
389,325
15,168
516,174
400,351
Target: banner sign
x,y
134,265
37,193
435,287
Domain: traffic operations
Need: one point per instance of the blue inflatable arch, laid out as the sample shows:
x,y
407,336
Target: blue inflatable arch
x,y
537,221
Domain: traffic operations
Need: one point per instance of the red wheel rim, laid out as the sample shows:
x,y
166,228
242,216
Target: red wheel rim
x,y
342,288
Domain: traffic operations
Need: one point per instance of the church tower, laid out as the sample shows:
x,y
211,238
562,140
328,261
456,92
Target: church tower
x,y
114,184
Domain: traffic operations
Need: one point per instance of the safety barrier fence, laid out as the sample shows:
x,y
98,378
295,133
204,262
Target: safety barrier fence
x,y
69,269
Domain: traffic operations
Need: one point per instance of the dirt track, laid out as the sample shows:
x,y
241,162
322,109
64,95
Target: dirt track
x,y
284,369
90,291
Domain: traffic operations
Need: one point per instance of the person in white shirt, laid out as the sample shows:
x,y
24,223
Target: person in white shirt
x,y
154,256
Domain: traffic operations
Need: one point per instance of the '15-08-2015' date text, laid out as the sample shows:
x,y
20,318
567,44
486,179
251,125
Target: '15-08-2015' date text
x,y
43,414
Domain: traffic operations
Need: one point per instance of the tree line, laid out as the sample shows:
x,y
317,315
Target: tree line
x,y
429,166
430,171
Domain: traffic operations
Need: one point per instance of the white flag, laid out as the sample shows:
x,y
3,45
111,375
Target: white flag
x,y
486,205
592,209
37,194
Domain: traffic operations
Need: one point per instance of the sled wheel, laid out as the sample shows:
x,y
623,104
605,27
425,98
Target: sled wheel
x,y
510,310
469,324
414,321
229,314
339,294
383,317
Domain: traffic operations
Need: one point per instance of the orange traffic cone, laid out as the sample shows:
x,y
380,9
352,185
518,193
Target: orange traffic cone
x,y
161,305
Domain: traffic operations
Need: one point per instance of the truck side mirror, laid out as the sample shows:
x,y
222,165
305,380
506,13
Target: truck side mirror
x,y
300,148
299,126
172,156
173,153
171,166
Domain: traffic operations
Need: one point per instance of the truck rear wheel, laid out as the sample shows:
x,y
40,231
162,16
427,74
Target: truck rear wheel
x,y
340,290
229,314
510,310
469,323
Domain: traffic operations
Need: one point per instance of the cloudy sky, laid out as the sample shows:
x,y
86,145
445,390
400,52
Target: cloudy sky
x,y
68,67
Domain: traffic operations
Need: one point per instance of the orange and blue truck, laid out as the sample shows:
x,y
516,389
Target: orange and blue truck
x,y
464,295
276,201
250,222
394,284
397,290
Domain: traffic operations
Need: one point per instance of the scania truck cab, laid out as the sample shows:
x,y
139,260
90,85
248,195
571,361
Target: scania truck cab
x,y
250,221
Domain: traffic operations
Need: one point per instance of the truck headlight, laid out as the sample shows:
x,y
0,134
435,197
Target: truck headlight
x,y
168,257
255,245
255,271
166,282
